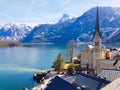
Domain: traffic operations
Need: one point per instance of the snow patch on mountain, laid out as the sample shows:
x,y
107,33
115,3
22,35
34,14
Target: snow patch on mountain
x,y
116,30
116,10
66,17
111,19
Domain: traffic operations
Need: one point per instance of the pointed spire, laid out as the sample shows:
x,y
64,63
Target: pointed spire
x,y
97,27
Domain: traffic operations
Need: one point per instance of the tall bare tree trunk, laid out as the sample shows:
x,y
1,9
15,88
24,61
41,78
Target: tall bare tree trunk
x,y
71,50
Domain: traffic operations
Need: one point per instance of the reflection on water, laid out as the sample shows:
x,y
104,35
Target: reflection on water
x,y
10,67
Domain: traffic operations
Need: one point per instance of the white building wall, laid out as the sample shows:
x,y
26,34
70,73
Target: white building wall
x,y
87,57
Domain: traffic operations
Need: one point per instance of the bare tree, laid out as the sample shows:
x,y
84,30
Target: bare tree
x,y
71,47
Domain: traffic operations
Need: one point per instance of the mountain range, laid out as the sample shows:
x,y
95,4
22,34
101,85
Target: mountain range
x,y
14,32
79,29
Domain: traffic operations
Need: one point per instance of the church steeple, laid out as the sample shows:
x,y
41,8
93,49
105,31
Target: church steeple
x,y
97,27
97,41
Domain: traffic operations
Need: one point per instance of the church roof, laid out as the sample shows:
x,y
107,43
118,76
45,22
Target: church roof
x,y
97,27
91,46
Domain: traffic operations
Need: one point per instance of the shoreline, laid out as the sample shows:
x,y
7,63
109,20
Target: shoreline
x,y
10,44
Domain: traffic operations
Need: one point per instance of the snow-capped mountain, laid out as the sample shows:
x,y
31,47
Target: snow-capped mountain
x,y
49,32
81,29
14,32
67,18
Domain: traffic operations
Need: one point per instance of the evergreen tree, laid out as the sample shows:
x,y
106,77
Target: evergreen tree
x,y
58,64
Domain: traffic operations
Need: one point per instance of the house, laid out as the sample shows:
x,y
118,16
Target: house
x,y
110,74
59,84
107,64
89,82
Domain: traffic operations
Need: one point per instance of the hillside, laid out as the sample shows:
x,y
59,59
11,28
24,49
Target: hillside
x,y
79,29
14,32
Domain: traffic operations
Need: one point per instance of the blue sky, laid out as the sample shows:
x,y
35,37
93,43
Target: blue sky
x,y
45,11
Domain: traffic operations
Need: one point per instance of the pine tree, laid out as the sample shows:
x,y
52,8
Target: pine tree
x,y
58,64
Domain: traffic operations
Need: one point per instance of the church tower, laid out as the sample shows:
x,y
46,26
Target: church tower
x,y
97,41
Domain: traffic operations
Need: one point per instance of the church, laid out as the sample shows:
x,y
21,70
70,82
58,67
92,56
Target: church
x,y
95,52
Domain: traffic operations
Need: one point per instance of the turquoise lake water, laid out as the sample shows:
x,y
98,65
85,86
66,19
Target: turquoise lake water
x,y
18,64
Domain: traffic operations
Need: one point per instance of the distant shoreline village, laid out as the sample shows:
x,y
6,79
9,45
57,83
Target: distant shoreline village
x,y
97,68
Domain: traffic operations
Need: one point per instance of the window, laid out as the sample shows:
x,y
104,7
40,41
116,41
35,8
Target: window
x,y
97,50
96,43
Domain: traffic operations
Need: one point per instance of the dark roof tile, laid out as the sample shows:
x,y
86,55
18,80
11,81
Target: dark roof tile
x,y
90,82
59,84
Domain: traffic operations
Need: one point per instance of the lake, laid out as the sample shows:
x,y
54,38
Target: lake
x,y
18,64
